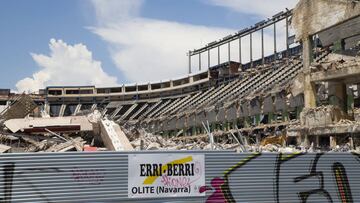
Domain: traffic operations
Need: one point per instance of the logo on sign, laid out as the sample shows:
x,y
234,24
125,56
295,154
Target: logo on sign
x,y
165,175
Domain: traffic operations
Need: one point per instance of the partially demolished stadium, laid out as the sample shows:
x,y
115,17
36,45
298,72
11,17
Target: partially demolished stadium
x,y
305,97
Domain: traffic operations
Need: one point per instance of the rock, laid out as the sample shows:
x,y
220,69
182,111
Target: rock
x,y
153,146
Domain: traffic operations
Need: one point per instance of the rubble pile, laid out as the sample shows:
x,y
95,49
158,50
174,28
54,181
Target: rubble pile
x,y
321,116
92,131
357,114
55,134
335,62
20,142
148,141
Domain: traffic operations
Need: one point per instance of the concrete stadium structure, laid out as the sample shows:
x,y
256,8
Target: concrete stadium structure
x,y
256,97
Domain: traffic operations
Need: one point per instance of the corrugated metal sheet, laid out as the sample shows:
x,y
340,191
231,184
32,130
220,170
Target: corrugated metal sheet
x,y
230,177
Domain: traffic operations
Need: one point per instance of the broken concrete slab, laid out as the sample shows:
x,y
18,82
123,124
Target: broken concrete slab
x,y
76,143
113,137
21,107
55,124
321,116
4,148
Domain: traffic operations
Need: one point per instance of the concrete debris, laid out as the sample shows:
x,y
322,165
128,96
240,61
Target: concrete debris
x,y
357,114
148,141
346,122
335,62
321,116
76,143
297,87
21,107
279,140
56,124
4,148
113,137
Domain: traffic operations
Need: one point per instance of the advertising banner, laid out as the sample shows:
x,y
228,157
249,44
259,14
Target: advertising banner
x,y
165,175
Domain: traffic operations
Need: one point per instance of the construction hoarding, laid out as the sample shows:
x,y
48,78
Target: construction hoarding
x,y
229,177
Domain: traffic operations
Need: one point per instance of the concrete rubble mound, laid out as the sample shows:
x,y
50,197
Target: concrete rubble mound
x,y
321,116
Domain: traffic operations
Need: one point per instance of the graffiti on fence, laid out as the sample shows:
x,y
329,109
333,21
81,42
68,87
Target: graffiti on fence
x,y
301,176
88,176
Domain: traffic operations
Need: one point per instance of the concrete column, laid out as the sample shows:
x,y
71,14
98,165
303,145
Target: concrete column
x,y
189,62
351,140
299,138
306,142
337,94
258,139
285,115
298,111
317,140
350,99
332,142
309,88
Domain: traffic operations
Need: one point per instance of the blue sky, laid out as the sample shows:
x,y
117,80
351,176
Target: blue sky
x,y
135,40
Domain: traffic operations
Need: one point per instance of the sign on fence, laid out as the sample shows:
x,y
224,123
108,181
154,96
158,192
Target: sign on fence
x,y
165,175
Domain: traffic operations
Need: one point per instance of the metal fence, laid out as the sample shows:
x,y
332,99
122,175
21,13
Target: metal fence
x,y
230,177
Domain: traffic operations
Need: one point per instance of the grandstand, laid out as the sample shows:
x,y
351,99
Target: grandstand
x,y
257,97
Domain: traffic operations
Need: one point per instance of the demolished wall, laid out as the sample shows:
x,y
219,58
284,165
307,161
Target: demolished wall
x,y
310,17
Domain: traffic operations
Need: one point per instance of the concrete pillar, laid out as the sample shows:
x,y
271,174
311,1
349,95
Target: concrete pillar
x,y
258,139
350,99
337,94
309,88
298,111
299,138
306,142
317,140
332,142
351,140
285,116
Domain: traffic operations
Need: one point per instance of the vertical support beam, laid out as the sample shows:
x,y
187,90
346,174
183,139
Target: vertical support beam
x,y
317,140
209,58
351,140
262,46
218,55
189,62
309,88
298,111
251,56
240,51
287,36
333,142
229,52
285,115
306,142
349,100
275,41
199,61
337,95
258,140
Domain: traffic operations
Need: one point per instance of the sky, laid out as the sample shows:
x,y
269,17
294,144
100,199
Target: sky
x,y
114,42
